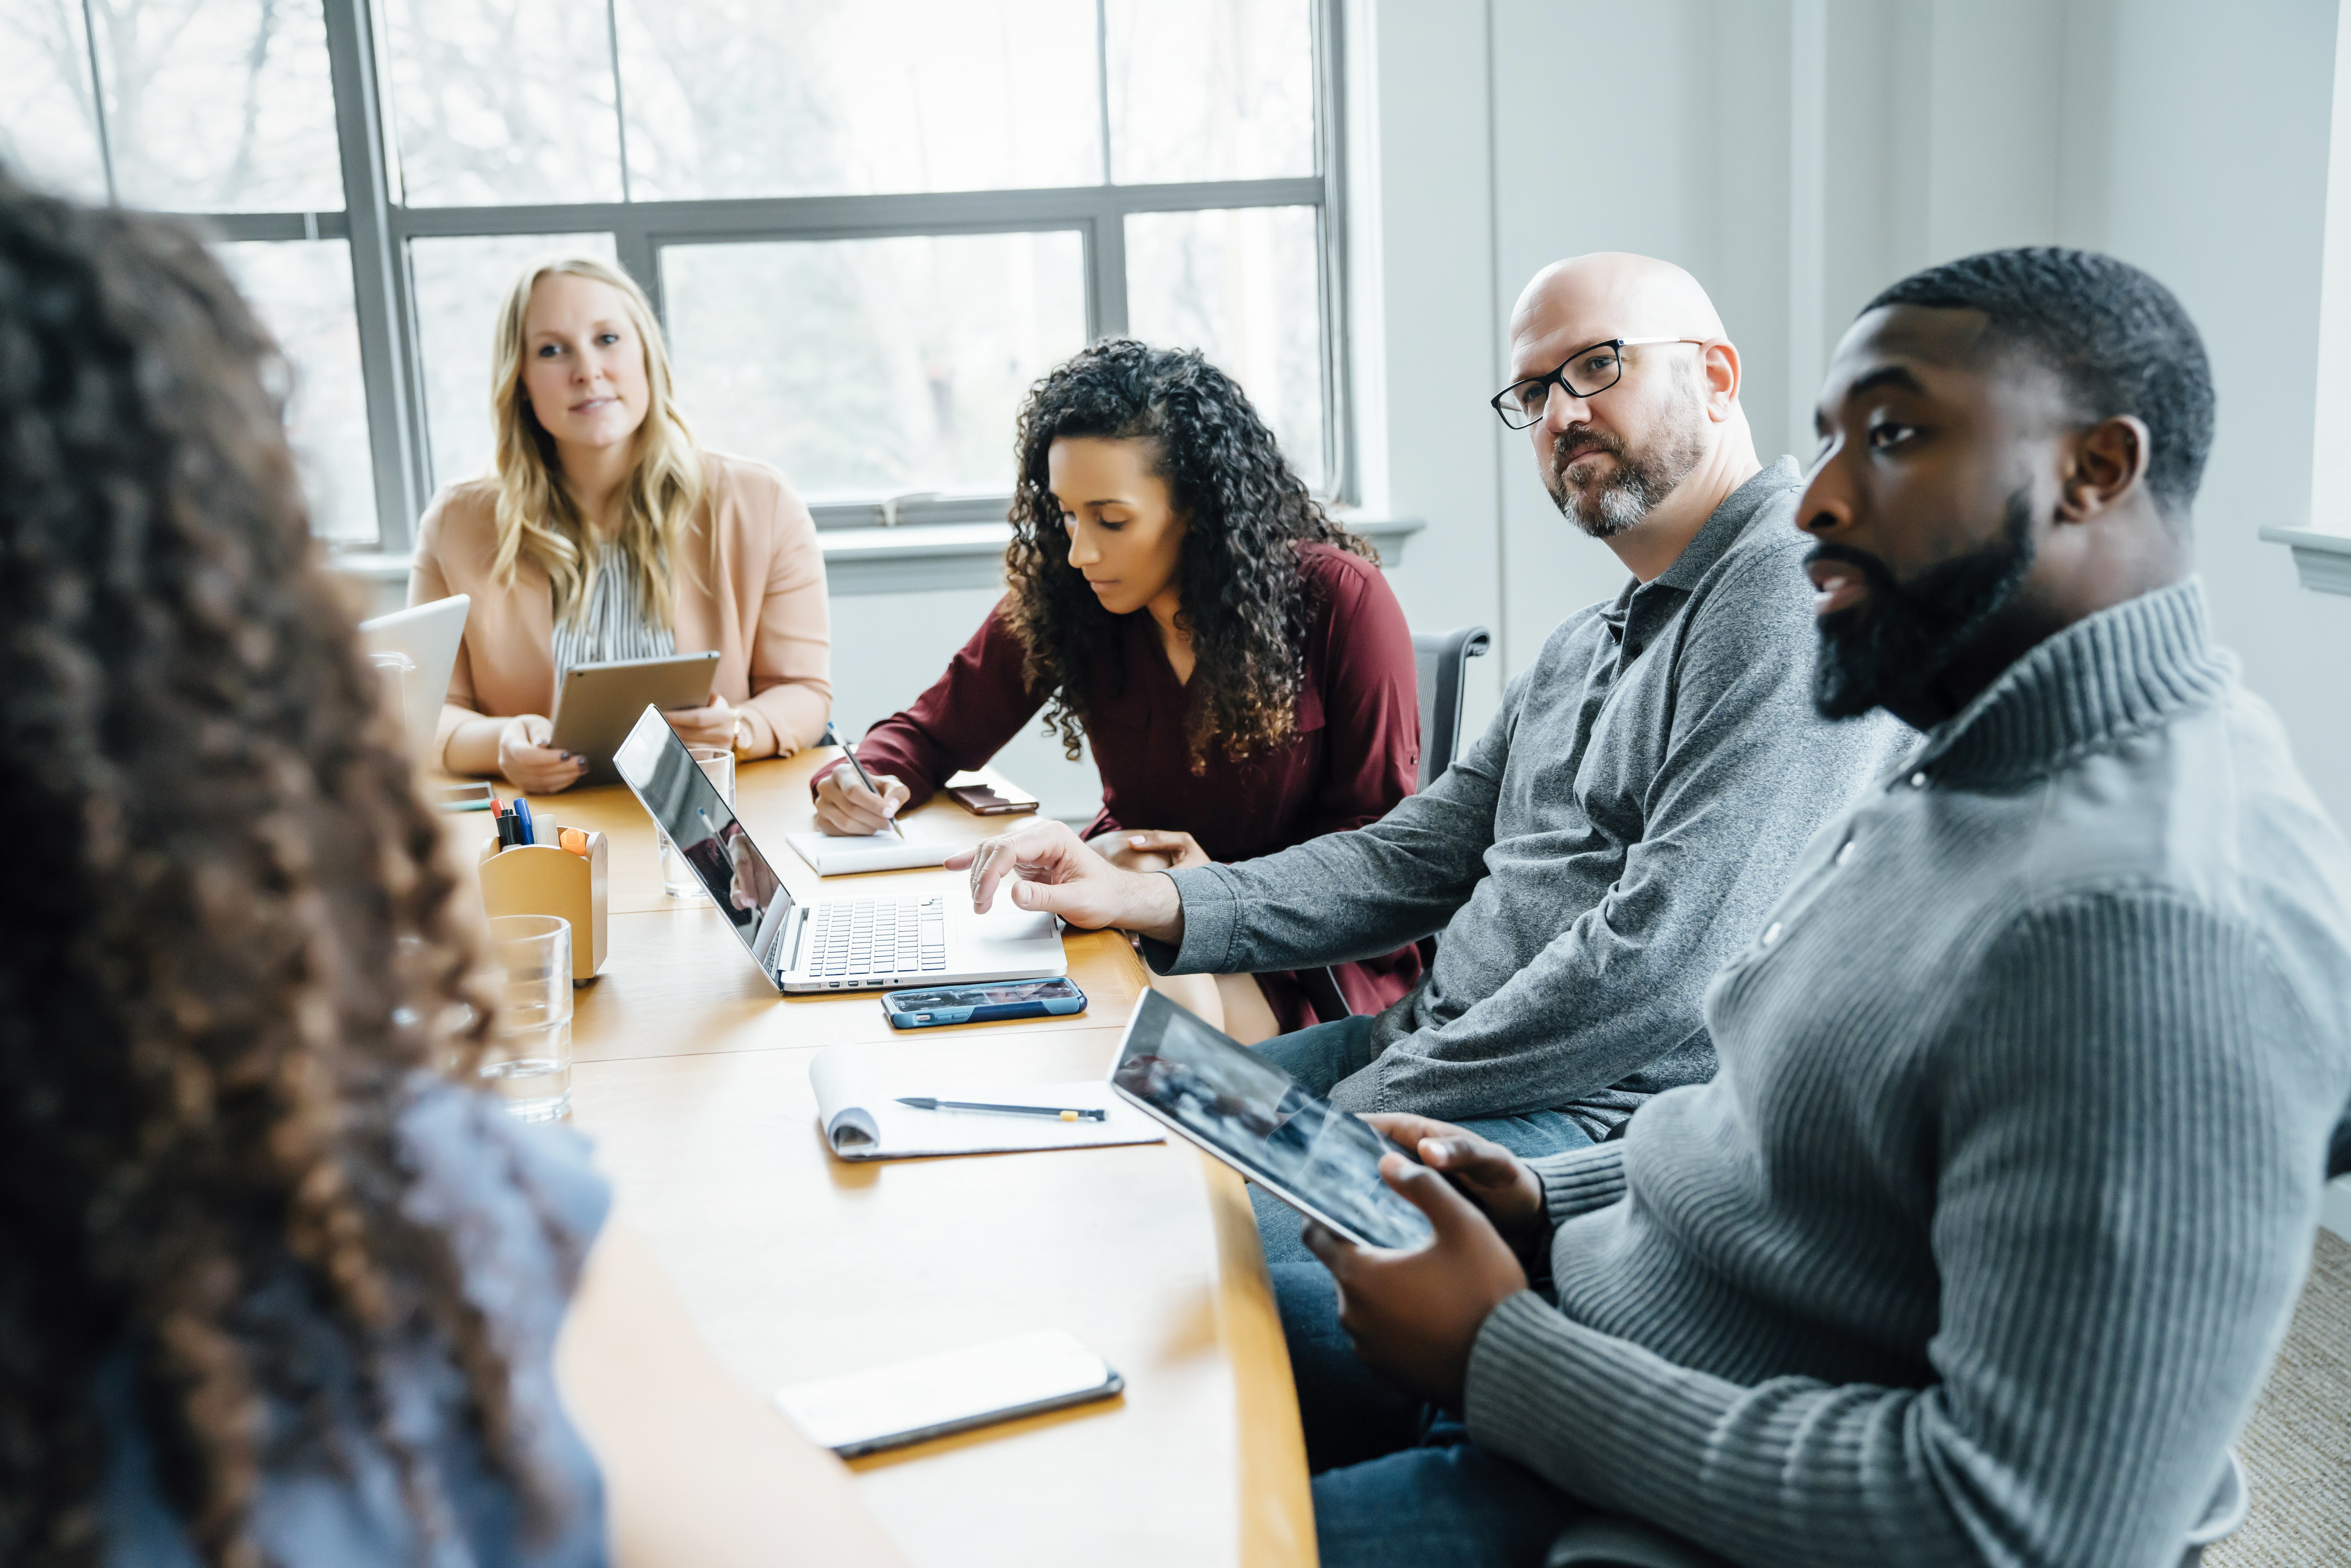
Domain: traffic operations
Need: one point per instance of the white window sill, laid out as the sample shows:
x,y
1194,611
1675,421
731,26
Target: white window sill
x,y
913,558
2322,558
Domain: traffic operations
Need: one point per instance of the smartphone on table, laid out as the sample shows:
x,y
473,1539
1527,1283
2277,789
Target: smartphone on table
x,y
933,1007
889,1407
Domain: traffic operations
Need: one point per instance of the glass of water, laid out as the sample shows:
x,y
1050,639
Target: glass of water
x,y
718,765
529,1055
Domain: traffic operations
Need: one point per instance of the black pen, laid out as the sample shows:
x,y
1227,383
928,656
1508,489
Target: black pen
x,y
925,1102
859,767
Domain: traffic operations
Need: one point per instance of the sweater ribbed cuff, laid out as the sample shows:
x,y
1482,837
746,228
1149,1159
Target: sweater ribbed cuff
x,y
1580,1180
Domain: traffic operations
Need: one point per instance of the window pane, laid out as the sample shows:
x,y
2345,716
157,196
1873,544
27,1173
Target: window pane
x,y
503,100
1242,287
219,106
458,286
48,133
865,368
302,292
1210,89
787,98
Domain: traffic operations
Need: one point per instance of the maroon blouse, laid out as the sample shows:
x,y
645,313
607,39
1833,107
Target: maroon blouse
x,y
1354,753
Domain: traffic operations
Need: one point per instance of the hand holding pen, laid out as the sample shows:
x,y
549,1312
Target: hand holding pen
x,y
853,809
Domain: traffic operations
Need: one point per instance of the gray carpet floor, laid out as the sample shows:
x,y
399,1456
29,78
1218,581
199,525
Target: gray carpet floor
x,y
2297,1449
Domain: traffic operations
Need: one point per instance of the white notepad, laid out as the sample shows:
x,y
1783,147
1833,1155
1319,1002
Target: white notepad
x,y
857,1090
884,850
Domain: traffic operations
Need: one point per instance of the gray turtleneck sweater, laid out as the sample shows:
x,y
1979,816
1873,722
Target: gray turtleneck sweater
x,y
1978,1245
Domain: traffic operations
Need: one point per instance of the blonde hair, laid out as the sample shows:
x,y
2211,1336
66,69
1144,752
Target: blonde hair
x,y
538,519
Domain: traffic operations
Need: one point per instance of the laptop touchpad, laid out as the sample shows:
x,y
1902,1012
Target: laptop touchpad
x,y
1006,923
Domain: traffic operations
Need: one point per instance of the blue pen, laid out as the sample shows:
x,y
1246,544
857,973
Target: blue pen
x,y
522,822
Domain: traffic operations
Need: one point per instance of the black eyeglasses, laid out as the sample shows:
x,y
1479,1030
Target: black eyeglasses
x,y
1587,373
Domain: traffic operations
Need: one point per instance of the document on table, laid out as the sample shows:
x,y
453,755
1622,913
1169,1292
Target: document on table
x,y
857,1091
884,850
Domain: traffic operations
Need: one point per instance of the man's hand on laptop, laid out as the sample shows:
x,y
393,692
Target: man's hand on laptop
x,y
1055,871
1416,1315
1493,1177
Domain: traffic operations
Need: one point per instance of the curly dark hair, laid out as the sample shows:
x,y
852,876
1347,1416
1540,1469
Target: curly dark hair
x,y
1246,514
230,957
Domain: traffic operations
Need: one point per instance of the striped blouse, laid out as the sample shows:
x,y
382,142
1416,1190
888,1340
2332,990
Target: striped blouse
x,y
610,622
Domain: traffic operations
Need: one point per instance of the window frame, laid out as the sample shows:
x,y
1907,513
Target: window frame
x,y
379,228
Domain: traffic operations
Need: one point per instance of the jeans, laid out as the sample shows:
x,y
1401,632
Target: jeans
x,y
1318,1058
1398,1484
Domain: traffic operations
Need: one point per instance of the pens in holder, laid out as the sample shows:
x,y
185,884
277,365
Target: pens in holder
x,y
523,834
925,1102
830,738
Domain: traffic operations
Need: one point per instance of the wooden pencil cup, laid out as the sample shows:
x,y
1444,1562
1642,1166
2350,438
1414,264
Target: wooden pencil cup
x,y
540,879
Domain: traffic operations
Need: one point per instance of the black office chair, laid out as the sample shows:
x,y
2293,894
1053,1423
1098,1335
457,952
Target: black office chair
x,y
1441,660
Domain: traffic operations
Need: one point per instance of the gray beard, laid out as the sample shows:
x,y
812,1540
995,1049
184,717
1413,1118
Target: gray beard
x,y
1642,479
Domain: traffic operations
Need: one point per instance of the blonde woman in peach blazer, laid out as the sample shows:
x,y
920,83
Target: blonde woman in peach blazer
x,y
605,533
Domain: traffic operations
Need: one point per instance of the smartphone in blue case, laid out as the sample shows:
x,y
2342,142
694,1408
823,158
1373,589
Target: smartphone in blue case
x,y
935,1005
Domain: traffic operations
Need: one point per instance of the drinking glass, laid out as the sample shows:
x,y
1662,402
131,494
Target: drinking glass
x,y
529,1056
718,765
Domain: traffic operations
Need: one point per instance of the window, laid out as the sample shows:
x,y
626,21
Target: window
x,y
867,228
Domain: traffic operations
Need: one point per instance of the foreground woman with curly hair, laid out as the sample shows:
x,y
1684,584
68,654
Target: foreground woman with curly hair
x,y
278,1284
1177,600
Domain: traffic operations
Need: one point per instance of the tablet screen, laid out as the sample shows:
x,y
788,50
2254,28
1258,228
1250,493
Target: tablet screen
x,y
1247,1112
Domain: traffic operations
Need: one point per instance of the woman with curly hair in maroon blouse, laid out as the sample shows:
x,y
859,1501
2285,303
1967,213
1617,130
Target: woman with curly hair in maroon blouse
x,y
1181,605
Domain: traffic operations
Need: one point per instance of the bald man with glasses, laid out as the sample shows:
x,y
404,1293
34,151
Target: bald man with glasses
x,y
1622,827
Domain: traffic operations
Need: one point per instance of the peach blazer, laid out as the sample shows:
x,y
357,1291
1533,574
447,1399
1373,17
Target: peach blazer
x,y
766,612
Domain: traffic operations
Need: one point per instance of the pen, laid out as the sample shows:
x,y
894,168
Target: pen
x,y
522,822
925,1102
832,739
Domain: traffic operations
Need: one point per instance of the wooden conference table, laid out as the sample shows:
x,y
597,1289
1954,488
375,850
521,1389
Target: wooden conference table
x,y
693,1082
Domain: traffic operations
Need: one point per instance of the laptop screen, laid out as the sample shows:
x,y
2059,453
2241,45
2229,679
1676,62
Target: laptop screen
x,y
687,807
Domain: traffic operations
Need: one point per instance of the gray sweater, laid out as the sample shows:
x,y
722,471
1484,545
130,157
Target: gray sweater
x,y
1978,1245
1593,858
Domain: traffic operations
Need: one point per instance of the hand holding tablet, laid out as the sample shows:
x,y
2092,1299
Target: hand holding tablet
x,y
1239,1107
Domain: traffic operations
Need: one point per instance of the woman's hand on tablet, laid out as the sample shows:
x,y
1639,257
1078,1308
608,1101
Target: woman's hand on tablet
x,y
1150,849
1416,1315
528,762
847,808
1493,1177
711,726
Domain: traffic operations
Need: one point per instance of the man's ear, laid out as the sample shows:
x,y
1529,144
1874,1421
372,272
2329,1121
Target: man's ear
x,y
2105,465
1717,377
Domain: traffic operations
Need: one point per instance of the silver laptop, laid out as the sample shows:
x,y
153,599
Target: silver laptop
x,y
418,647
850,944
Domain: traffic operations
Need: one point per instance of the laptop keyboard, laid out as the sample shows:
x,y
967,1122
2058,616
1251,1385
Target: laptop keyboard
x,y
852,940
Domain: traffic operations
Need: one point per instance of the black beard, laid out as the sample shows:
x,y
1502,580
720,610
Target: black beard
x,y
1886,651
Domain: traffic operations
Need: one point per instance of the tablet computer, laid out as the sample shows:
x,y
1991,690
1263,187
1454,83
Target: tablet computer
x,y
1239,1107
597,705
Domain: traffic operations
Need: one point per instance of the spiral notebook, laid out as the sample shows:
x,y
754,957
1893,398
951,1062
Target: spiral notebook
x,y
857,1090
